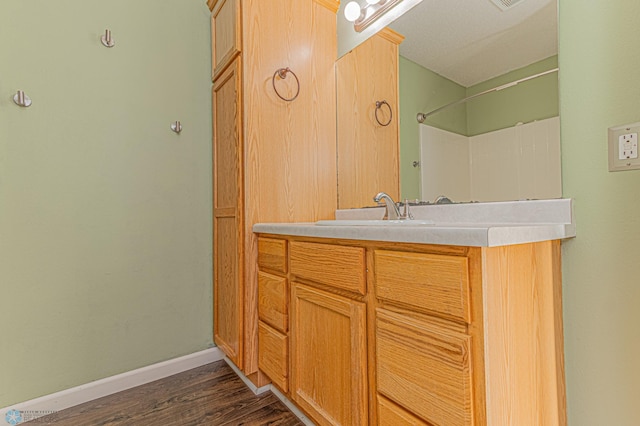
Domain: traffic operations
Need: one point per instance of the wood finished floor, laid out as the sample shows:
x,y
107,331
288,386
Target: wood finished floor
x,y
209,395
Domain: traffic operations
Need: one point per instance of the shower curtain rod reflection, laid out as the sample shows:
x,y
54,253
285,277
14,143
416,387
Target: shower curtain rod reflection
x,y
423,116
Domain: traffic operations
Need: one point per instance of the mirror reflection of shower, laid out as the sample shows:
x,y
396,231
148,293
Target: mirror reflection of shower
x,y
515,156
464,82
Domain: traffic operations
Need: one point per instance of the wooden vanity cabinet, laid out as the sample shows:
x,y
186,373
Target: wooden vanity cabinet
x,y
269,164
368,136
399,334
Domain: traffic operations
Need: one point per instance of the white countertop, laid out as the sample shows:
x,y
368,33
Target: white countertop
x,y
472,224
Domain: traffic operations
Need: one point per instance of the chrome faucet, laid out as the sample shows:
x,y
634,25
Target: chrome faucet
x,y
392,212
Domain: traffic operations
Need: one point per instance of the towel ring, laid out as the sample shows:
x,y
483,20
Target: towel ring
x,y
282,73
378,106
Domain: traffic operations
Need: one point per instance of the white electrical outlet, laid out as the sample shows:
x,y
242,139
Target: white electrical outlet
x,y
623,147
628,146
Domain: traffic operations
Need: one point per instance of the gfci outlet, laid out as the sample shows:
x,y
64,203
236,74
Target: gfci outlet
x,y
628,146
623,147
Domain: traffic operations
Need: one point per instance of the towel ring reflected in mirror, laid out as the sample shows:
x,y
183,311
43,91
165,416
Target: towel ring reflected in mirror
x,y
379,105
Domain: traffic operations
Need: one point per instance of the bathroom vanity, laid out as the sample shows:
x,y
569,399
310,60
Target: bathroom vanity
x,y
455,323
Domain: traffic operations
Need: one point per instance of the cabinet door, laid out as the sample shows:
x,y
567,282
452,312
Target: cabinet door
x,y
368,152
225,34
328,350
425,368
227,217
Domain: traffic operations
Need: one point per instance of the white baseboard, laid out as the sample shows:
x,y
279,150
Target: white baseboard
x,y
258,390
248,383
295,410
30,410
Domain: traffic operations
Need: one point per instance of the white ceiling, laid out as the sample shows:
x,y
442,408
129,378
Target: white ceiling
x,y
470,41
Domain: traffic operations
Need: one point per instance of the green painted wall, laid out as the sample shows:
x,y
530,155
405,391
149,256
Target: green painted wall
x,y
599,88
105,217
535,99
422,90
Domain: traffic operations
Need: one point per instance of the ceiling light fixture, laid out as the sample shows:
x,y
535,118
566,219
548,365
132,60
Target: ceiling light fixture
x,y
363,16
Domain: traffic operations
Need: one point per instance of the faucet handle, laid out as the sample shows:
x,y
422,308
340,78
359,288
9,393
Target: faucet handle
x,y
406,213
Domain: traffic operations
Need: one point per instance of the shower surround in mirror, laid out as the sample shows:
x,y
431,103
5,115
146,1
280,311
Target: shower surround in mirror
x,y
516,163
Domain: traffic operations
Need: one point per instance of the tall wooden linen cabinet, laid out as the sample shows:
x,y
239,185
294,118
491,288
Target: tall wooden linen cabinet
x,y
274,144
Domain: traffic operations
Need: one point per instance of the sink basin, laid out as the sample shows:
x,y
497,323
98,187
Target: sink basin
x,y
364,222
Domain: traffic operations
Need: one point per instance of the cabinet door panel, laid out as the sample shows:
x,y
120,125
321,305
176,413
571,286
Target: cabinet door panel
x,y
424,369
225,34
329,356
227,217
227,294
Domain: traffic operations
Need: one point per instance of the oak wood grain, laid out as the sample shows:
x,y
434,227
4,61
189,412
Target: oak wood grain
x,y
273,357
424,281
523,346
226,38
425,369
272,254
228,230
368,152
273,301
502,364
290,168
336,266
390,414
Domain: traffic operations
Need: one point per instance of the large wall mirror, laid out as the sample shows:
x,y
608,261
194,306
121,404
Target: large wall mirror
x,y
502,145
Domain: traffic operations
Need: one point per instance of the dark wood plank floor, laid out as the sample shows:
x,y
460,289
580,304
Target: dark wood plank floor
x,y
209,395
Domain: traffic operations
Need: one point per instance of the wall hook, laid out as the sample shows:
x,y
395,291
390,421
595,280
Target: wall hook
x,y
21,99
107,40
176,127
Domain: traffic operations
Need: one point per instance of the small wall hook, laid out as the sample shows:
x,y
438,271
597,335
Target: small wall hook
x,y
21,99
107,40
176,127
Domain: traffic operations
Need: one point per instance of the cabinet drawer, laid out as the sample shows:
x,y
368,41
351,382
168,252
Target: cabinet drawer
x,y
225,34
337,266
435,283
424,368
389,414
273,357
272,254
272,300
